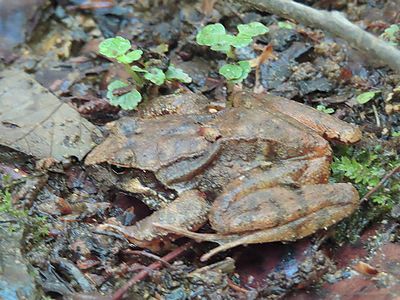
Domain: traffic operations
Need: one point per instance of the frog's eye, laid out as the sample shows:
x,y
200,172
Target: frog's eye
x,y
118,169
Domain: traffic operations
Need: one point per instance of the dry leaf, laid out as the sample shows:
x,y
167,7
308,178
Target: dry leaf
x,y
366,269
266,54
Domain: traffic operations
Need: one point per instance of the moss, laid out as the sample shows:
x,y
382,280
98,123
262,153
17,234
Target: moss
x,y
364,166
36,227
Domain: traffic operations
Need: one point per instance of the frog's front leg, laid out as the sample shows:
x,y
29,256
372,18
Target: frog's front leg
x,y
189,211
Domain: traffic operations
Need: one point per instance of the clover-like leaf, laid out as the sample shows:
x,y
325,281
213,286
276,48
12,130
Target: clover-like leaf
x,y
246,68
241,41
126,101
236,73
323,108
224,44
391,34
392,30
155,75
130,57
114,47
177,74
211,34
231,72
252,29
365,97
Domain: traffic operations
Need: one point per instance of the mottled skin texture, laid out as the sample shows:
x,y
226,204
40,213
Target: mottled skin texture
x,y
264,164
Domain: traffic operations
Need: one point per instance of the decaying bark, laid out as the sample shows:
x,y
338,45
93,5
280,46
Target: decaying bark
x,y
333,22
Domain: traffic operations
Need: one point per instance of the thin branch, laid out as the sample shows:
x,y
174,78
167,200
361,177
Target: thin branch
x,y
236,288
154,266
150,255
333,22
381,183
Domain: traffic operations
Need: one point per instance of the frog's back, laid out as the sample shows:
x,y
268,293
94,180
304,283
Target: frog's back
x,y
284,137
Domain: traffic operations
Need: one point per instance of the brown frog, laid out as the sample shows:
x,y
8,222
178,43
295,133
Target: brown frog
x,y
264,164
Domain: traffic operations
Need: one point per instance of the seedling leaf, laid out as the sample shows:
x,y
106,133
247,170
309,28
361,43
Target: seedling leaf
x,y
246,68
231,72
224,44
130,57
241,41
396,133
327,110
365,97
211,34
285,25
126,101
252,29
391,34
114,47
155,75
392,30
177,74
236,73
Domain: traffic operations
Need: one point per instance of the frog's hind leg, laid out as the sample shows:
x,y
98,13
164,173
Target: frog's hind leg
x,y
327,204
289,232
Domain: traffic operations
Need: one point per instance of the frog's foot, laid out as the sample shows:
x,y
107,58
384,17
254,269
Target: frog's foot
x,y
226,241
189,211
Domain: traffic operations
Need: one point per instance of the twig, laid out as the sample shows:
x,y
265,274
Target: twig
x,y
150,255
333,22
111,234
380,184
236,288
154,266
378,121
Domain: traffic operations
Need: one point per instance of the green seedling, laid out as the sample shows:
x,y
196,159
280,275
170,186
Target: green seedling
x,y
365,168
216,37
236,73
127,100
36,225
128,96
395,133
325,109
392,34
285,25
366,97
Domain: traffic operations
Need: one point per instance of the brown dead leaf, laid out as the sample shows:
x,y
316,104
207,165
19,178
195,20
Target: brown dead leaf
x,y
207,6
366,269
36,122
266,54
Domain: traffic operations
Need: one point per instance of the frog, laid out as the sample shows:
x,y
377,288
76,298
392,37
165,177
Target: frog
x,y
257,171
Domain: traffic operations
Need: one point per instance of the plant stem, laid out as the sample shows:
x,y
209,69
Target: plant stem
x,y
231,53
136,78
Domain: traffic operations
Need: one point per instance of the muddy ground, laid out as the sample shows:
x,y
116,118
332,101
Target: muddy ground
x,y
53,78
